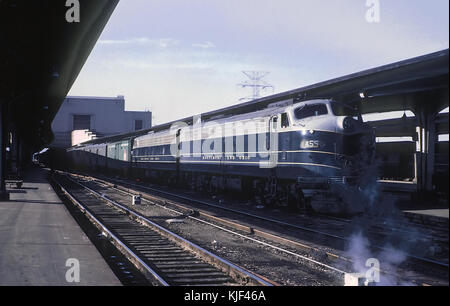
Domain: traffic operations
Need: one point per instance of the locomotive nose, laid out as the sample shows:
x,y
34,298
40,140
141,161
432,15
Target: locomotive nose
x,y
349,124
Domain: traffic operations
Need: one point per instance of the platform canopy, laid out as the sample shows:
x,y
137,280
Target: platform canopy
x,y
41,55
396,86
412,84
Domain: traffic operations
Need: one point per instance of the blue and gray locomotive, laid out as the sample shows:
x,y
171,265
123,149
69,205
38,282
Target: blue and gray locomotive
x,y
308,154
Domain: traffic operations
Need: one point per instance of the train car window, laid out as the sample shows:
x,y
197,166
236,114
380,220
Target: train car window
x,y
284,120
307,111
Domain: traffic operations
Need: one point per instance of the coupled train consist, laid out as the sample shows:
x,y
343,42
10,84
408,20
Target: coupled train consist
x,y
314,154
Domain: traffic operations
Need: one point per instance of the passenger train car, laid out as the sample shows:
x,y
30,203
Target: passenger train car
x,y
307,154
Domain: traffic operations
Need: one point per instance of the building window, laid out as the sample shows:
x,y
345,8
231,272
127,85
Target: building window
x,y
137,125
81,122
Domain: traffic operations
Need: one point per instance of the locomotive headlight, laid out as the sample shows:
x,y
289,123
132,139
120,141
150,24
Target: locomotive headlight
x,y
304,132
311,132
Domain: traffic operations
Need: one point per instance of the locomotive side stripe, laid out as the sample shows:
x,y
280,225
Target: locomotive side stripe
x,y
239,162
155,161
243,153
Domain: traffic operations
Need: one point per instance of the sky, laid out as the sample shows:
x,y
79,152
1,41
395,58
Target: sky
x,y
179,58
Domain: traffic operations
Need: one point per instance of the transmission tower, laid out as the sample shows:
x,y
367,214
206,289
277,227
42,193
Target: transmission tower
x,y
256,84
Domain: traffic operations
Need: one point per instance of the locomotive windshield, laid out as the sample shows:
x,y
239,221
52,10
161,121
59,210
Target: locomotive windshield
x,y
313,110
342,109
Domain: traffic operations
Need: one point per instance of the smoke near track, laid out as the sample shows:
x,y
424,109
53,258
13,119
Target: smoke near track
x,y
378,212
387,260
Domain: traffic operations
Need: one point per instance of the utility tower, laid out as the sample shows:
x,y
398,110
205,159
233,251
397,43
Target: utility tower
x,y
256,84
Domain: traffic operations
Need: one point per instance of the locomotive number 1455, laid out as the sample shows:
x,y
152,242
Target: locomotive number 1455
x,y
309,144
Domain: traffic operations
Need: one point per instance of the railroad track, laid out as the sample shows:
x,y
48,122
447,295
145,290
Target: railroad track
x,y
162,256
399,222
345,240
254,232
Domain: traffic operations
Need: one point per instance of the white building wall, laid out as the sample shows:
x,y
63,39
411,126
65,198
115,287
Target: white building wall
x,y
108,117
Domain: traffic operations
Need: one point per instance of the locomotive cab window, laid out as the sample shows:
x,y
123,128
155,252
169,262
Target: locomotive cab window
x,y
307,111
284,120
274,122
341,109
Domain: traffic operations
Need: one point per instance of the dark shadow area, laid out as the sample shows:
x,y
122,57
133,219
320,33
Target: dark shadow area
x,y
421,204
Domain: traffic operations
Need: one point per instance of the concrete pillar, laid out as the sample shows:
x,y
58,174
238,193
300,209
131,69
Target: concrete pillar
x,y
431,138
3,194
423,146
12,143
2,178
16,153
418,156
425,151
420,161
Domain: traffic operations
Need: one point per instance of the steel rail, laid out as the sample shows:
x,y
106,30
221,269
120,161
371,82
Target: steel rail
x,y
104,229
255,240
423,259
127,191
212,257
343,273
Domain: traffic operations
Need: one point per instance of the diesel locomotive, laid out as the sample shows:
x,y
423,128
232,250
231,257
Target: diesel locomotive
x,y
312,154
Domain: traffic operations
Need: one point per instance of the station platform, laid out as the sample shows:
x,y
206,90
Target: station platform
x,y
425,211
38,236
437,213
434,217
397,186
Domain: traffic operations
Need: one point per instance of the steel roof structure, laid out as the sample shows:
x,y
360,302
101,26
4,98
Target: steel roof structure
x,y
41,55
403,85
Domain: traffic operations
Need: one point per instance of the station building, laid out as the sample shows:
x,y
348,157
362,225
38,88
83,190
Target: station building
x,y
81,119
